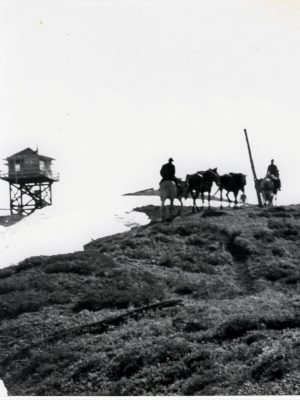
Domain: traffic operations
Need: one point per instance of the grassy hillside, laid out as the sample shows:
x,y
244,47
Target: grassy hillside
x,y
208,304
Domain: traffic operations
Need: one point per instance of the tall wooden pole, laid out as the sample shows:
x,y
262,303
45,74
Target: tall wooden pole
x,y
253,170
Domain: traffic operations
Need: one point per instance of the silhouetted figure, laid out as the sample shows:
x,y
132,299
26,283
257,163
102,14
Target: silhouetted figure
x,y
273,172
167,172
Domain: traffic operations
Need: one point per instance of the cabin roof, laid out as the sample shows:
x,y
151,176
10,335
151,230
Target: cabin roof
x,y
29,151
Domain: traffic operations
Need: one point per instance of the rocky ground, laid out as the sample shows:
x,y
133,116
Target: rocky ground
x,y
207,304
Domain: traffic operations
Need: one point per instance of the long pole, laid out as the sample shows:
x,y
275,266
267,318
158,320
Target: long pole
x,y
253,170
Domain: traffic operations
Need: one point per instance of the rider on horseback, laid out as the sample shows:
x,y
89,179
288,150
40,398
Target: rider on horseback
x,y
273,173
167,172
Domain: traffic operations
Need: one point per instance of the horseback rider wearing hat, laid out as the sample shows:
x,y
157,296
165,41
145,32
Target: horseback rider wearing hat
x,y
273,173
167,172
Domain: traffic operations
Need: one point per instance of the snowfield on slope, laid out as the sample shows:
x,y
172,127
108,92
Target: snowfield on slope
x,y
61,229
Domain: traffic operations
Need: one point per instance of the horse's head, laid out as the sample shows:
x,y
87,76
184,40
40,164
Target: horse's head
x,y
184,189
187,178
244,179
213,175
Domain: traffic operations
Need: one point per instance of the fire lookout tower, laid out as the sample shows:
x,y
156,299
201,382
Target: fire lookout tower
x,y
30,181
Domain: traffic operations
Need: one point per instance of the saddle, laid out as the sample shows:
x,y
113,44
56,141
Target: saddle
x,y
275,180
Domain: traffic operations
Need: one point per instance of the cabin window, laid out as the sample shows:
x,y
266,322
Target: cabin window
x,y
17,166
29,162
42,165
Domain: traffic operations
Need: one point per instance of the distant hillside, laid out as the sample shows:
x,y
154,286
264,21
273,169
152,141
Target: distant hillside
x,y
207,304
7,220
155,192
145,192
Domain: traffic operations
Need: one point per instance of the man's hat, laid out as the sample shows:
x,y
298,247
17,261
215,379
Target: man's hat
x,y
171,159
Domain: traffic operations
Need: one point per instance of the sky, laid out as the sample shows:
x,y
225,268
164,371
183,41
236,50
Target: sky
x,y
112,89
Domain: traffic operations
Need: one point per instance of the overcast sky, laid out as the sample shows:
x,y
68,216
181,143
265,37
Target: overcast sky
x,y
112,89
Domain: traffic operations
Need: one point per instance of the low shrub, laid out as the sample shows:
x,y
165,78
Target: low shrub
x,y
264,235
186,230
197,267
281,322
270,369
284,229
236,327
74,267
125,365
198,359
20,303
9,285
279,251
81,265
163,238
255,337
45,362
31,262
194,326
107,299
167,261
124,290
292,279
94,362
184,288
212,212
240,248
7,272
197,240
219,258
196,384
277,270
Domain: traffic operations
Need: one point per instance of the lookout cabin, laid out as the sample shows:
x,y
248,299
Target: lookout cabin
x,y
30,180
27,166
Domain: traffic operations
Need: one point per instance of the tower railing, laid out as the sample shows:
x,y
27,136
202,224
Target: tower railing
x,y
29,173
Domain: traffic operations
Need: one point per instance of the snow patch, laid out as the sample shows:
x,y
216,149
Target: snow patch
x,y
3,391
60,229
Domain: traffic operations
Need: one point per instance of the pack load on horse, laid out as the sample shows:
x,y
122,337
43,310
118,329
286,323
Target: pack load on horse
x,y
232,182
273,173
170,187
201,182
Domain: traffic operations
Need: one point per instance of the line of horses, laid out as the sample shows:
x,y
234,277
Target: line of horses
x,y
202,182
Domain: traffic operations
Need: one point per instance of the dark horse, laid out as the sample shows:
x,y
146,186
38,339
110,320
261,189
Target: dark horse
x,y
268,189
201,182
232,182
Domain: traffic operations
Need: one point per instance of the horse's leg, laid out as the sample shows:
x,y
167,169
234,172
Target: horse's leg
x,y
208,197
163,209
271,199
221,199
229,200
181,205
194,196
275,196
197,196
202,198
171,207
194,203
235,199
